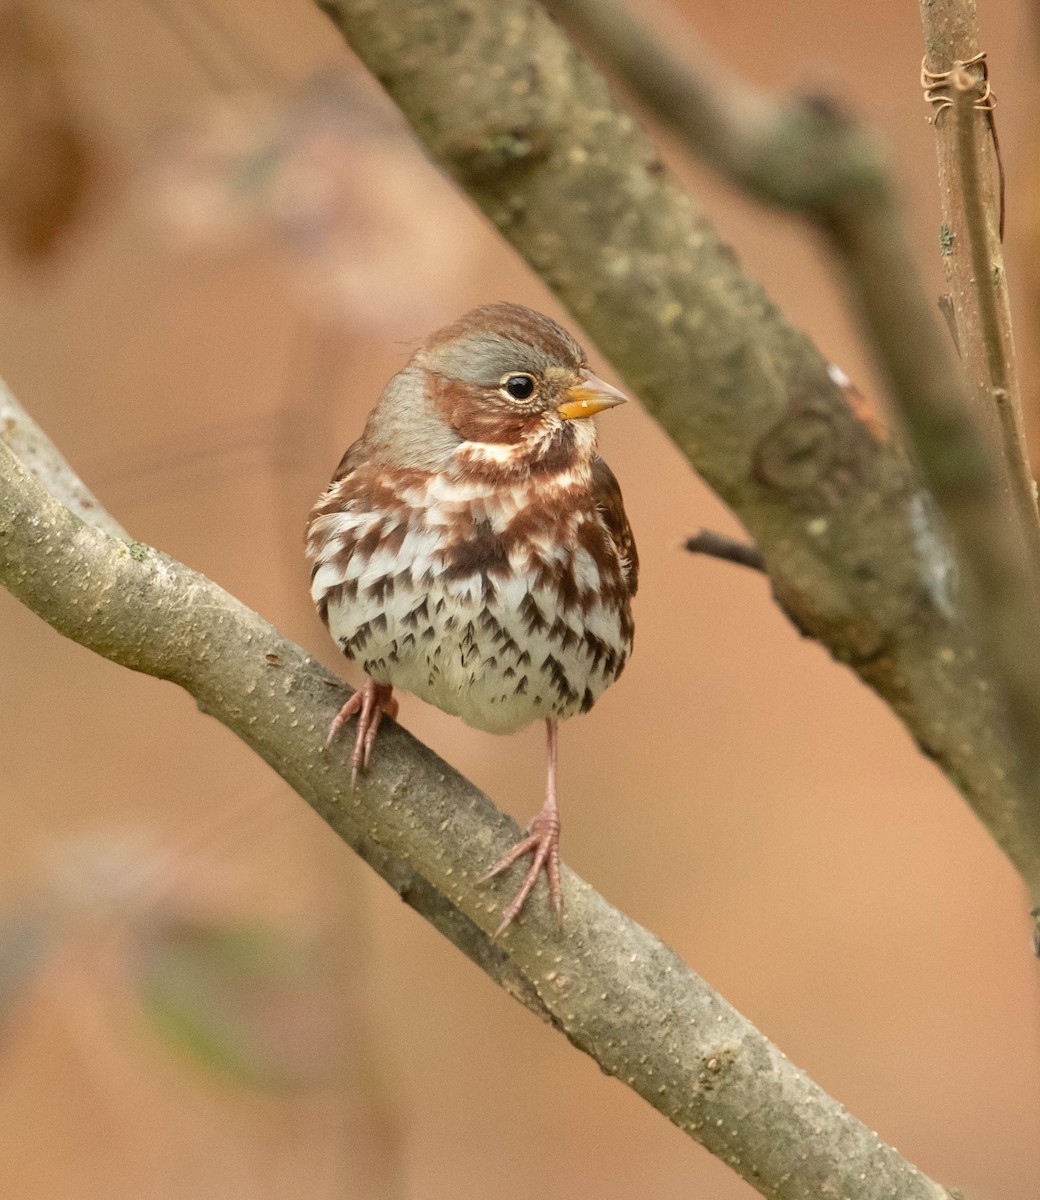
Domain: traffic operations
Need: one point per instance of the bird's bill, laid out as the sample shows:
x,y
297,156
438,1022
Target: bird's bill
x,y
589,396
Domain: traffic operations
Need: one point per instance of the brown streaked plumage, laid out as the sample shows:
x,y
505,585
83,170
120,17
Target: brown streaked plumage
x,y
472,547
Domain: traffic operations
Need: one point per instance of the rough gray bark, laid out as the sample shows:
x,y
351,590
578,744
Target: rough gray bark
x,y
613,990
856,557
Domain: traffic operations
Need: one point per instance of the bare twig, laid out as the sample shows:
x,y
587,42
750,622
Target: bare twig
x,y
614,990
989,324
531,132
717,545
991,333
971,193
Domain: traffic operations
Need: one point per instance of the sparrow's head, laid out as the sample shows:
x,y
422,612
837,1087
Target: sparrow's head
x,y
503,374
502,385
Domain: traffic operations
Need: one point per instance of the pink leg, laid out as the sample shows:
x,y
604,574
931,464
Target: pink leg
x,y
370,702
543,842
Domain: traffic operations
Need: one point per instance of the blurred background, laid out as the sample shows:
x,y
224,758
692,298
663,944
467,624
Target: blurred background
x,y
202,992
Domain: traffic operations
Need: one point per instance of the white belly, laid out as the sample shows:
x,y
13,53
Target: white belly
x,y
490,642
498,661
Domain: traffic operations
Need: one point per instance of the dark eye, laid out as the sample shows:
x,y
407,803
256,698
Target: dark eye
x,y
520,387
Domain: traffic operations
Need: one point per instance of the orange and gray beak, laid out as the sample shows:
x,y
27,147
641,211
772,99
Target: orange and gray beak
x,y
589,396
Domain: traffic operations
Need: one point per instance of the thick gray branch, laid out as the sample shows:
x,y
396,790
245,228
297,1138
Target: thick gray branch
x,y
855,555
614,990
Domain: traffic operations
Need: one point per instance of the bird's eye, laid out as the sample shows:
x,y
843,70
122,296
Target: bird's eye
x,y
520,387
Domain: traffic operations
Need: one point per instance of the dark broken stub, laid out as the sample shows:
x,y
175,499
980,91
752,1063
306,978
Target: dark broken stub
x,y
717,545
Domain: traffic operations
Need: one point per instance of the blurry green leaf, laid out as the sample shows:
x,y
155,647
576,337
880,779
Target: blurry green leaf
x,y
245,999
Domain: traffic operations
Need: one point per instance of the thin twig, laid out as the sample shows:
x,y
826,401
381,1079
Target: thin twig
x,y
717,545
971,194
996,340
225,58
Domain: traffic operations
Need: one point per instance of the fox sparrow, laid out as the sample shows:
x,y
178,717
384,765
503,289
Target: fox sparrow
x,y
473,549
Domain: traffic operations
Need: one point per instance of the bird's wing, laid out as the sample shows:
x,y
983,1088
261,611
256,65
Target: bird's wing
x,y
354,456
607,493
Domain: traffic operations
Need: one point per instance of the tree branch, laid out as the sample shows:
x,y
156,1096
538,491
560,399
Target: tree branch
x,y
971,195
717,545
530,131
606,983
795,152
45,462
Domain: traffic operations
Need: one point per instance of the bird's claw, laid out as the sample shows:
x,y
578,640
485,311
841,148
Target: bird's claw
x,y
368,703
543,843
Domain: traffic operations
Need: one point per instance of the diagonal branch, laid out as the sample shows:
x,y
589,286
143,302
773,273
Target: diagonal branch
x,y
612,989
856,556
795,152
33,449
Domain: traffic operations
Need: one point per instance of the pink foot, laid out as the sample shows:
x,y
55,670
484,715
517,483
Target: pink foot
x,y
543,843
369,702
